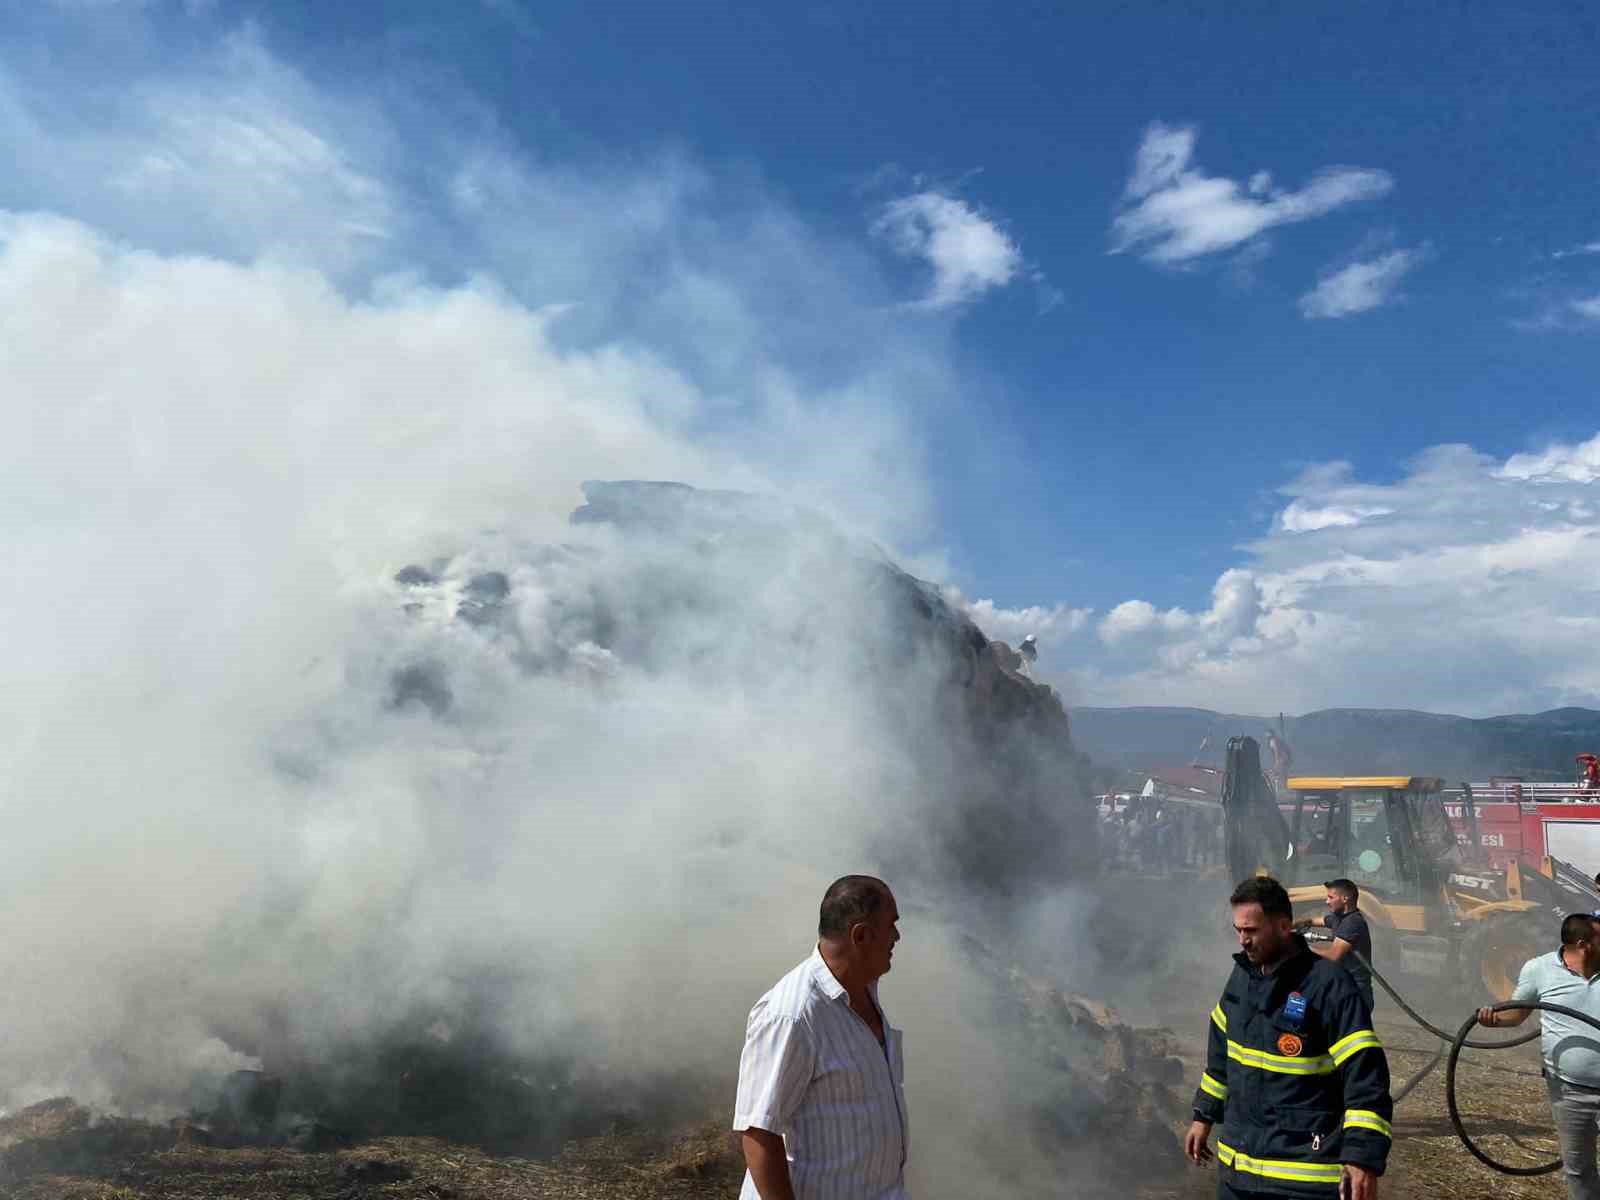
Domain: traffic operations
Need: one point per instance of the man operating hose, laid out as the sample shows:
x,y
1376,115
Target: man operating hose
x,y
1570,977
1294,1071
1348,925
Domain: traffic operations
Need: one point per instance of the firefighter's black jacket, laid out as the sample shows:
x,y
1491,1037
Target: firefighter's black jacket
x,y
1296,1078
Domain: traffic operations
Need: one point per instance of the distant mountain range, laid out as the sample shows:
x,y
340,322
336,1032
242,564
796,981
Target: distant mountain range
x,y
1350,741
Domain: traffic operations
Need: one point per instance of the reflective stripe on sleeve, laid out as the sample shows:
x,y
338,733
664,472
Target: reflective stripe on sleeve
x,y
1365,1118
1279,1168
1352,1043
1219,1018
1212,1086
1282,1064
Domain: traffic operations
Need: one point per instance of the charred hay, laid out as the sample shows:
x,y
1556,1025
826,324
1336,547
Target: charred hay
x,y
58,1151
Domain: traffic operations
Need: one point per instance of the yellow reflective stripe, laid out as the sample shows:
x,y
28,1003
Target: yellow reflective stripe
x,y
1279,1168
1219,1018
1347,1039
1365,1118
1361,1039
1212,1086
1283,1064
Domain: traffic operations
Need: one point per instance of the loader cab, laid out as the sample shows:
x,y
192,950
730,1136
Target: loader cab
x,y
1390,834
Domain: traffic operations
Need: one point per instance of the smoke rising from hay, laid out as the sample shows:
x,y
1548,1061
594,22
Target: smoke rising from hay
x,y
340,747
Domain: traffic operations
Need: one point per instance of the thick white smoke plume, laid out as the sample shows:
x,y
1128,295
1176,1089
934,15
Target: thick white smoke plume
x,y
559,795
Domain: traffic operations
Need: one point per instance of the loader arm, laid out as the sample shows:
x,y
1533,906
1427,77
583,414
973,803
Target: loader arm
x,y
1256,834
1559,887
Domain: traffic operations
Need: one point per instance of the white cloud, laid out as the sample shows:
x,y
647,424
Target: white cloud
x,y
1572,251
1051,626
1235,609
1132,618
968,253
1578,463
1301,518
1174,212
1465,586
1361,286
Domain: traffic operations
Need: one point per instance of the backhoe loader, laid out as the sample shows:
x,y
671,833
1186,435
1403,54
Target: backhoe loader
x,y
1435,906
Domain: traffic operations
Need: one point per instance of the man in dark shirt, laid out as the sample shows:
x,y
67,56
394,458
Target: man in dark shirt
x,y
1350,932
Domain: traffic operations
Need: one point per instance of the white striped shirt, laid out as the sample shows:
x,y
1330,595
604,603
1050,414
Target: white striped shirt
x,y
813,1071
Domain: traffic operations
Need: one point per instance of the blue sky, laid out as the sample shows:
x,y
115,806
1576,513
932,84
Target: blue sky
x,y
1077,311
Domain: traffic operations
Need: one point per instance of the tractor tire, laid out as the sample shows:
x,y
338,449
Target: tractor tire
x,y
1492,953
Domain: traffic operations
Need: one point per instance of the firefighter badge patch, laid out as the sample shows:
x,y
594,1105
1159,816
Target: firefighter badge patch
x,y
1289,1044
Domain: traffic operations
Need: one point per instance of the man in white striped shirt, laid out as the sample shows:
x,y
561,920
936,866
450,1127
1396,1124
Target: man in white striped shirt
x,y
821,1105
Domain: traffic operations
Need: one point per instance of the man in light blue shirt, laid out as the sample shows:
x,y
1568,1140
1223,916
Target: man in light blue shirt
x,y
1571,977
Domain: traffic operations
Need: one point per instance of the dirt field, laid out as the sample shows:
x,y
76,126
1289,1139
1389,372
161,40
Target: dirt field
x,y
56,1153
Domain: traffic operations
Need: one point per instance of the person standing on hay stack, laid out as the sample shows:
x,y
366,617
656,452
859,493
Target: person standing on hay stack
x,y
1294,1070
821,1107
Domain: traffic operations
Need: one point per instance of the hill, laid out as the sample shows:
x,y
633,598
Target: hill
x,y
1351,740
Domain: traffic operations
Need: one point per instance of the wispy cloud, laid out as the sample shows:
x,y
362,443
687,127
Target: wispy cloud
x,y
1562,314
968,253
1300,517
1575,251
1173,212
1360,286
232,152
1588,309
516,14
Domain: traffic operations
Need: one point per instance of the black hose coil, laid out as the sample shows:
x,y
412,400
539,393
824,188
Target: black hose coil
x,y
1450,1081
1460,1041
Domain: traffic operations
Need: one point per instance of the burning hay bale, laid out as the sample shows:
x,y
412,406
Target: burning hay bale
x,y
1106,1082
60,1136
719,659
247,1107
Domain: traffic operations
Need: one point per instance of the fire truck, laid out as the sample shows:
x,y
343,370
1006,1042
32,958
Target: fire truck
x,y
1511,820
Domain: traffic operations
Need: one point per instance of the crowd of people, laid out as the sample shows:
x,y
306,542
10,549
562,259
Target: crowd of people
x,y
1155,836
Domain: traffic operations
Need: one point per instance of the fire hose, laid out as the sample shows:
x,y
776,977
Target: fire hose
x,y
1451,1049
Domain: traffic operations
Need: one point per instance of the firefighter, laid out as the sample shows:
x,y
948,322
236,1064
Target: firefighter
x,y
1589,772
1294,1070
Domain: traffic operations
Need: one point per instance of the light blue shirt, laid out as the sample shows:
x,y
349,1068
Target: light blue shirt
x,y
1571,1048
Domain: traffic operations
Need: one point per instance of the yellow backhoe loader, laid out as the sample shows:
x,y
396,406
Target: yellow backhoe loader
x,y
1436,908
